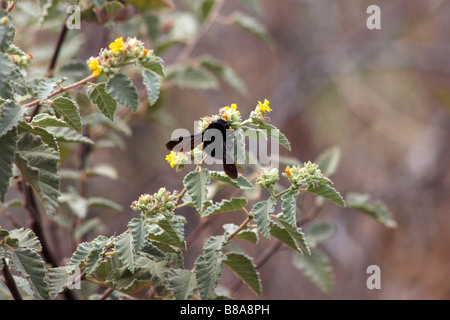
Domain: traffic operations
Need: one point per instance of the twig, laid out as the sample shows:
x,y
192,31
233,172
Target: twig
x,y
59,42
11,6
106,294
9,281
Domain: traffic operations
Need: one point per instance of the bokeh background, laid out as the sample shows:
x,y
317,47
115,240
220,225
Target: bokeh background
x,y
381,96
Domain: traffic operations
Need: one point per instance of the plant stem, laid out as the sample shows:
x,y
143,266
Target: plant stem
x,y
11,6
9,281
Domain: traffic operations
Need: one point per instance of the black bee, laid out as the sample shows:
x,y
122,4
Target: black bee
x,y
207,137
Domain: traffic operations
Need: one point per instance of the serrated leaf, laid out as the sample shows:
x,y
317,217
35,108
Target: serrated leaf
x,y
8,145
168,233
261,212
124,249
47,137
45,89
275,133
39,164
186,76
47,120
208,267
289,206
69,110
376,209
195,183
139,232
296,233
80,254
103,202
10,115
241,182
7,31
102,99
317,268
225,206
281,234
320,232
26,239
245,269
251,25
183,283
122,89
152,83
328,192
68,135
31,266
328,160
57,280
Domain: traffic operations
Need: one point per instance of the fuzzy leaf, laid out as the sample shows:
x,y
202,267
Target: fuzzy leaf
x,y
296,233
329,193
124,249
245,269
47,120
10,115
8,146
328,160
317,268
186,76
103,100
69,110
289,206
261,212
183,283
376,209
281,234
247,235
208,267
31,266
68,135
320,232
225,206
195,183
45,89
26,239
241,182
152,83
7,31
122,89
168,233
39,164
251,25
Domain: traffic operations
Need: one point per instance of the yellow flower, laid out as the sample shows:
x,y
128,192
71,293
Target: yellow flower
x,y
94,65
172,158
117,45
263,107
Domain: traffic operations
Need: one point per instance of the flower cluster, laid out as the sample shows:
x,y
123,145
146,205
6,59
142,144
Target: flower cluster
x,y
259,114
160,202
266,178
231,115
119,52
21,60
308,176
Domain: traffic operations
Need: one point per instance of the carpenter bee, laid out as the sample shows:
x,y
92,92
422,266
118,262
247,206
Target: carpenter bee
x,y
217,149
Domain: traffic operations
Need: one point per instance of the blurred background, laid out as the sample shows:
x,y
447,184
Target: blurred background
x,y
381,96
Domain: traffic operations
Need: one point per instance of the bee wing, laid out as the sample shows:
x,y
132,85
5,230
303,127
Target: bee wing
x,y
185,144
228,164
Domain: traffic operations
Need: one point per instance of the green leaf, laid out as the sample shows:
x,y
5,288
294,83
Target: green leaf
x,y
168,232
289,206
328,160
152,83
317,268
103,202
46,136
275,133
124,249
243,266
57,280
102,99
247,235
69,110
296,233
39,165
251,25
80,255
319,232
26,239
8,145
122,89
10,115
47,120
155,65
68,135
241,182
45,89
225,206
186,76
376,209
31,266
139,232
208,267
195,183
329,193
205,9
281,234
261,212
7,31
183,283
